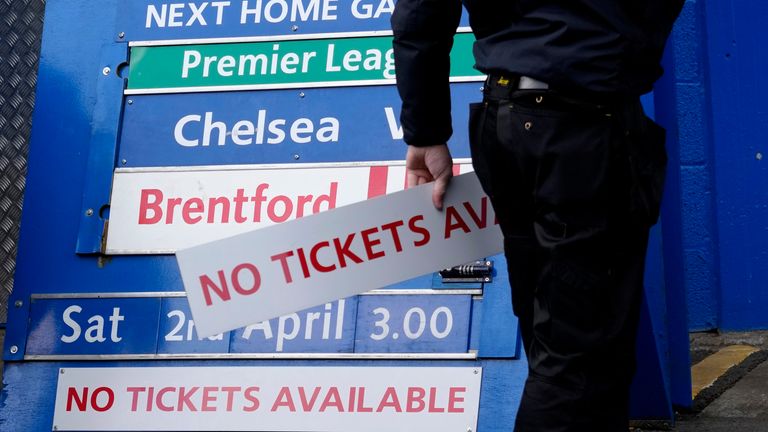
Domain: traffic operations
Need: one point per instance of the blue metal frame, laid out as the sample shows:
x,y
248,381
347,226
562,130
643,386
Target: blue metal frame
x,y
73,152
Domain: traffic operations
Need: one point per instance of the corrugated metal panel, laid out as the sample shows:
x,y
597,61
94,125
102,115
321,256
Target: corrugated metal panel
x,y
21,24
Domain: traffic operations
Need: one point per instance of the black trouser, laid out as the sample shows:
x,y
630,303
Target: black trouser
x,y
576,186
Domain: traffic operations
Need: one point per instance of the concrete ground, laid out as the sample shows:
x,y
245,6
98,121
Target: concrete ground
x,y
738,399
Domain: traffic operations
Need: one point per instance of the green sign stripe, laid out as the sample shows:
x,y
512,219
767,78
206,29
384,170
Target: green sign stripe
x,y
277,63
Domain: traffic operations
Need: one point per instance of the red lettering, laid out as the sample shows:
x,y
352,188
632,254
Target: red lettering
x,y
283,258
351,400
145,206
454,398
159,400
209,398
433,408
95,399
150,398
480,221
343,251
419,230
390,400
134,398
454,221
172,204
392,227
225,207
313,258
369,244
250,394
361,408
208,285
415,402
73,395
330,199
287,209
285,399
303,262
240,200
230,391
187,210
302,202
333,393
185,398
254,273
307,405
257,199
155,207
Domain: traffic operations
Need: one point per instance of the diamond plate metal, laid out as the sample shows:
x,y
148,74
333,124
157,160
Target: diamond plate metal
x,y
21,26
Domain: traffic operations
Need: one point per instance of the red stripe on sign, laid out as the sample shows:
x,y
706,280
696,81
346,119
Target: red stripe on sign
x,y
456,169
377,181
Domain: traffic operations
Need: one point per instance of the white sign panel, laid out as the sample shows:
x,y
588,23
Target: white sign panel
x,y
163,210
340,399
270,272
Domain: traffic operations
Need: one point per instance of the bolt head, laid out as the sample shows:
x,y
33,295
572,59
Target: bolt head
x,y
14,349
106,71
18,303
301,95
89,212
759,156
294,28
130,101
124,162
121,35
296,157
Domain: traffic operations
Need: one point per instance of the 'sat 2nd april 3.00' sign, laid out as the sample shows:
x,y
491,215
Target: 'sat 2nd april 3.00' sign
x,y
381,323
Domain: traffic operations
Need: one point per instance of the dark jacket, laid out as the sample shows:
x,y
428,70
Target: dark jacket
x,y
598,46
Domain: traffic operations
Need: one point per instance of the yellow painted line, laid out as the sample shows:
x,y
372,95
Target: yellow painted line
x,y
707,371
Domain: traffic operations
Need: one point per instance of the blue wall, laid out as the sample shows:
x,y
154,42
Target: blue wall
x,y
718,200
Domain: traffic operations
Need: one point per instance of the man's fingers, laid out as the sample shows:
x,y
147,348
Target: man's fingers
x,y
412,179
438,192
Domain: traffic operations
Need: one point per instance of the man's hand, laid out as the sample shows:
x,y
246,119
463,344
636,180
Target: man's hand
x,y
426,164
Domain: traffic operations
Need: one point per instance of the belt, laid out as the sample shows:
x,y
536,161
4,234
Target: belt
x,y
521,82
501,87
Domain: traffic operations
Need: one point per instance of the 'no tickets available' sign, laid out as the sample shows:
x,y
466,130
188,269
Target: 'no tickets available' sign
x,y
266,273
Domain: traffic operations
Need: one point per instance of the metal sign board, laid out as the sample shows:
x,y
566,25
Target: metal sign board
x,y
93,326
273,63
428,324
161,211
328,328
309,261
307,399
142,20
278,126
118,326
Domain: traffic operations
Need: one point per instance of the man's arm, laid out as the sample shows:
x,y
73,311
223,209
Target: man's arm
x,y
423,38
